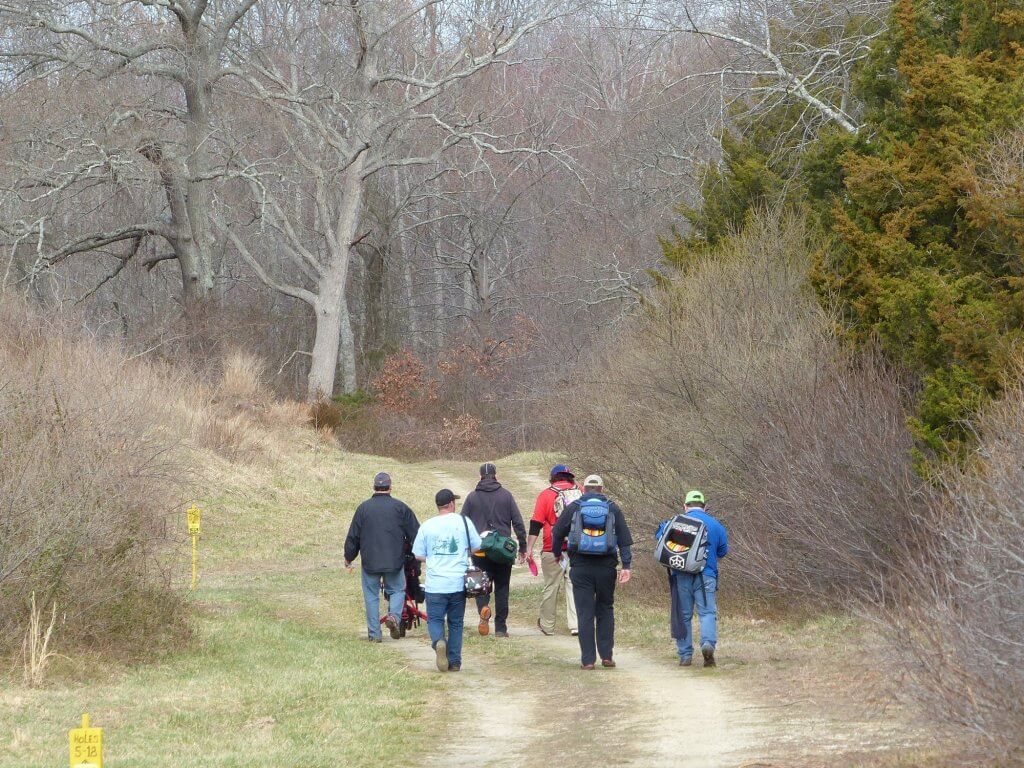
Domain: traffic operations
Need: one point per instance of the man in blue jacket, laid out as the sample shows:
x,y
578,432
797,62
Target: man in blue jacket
x,y
697,589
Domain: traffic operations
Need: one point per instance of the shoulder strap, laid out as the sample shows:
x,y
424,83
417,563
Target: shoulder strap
x,y
469,545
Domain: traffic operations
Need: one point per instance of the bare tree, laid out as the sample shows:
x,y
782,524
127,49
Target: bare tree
x,y
370,92
159,64
772,51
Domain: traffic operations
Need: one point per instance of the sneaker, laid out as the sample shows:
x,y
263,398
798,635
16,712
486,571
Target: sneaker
x,y
687,662
608,663
708,652
501,633
454,667
393,628
542,630
375,639
441,656
574,632
586,666
485,617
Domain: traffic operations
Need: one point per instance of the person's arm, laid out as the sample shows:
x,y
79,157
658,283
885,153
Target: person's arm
x,y
419,546
537,521
353,539
518,527
561,529
723,544
475,542
411,526
625,542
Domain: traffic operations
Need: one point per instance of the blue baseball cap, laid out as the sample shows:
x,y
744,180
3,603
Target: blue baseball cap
x,y
561,469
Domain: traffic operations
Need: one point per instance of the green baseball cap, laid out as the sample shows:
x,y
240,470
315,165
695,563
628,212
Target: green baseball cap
x,y
694,497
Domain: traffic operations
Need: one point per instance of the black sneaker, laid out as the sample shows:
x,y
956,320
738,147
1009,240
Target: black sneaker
x,y
501,633
441,656
375,639
687,662
454,667
708,652
393,628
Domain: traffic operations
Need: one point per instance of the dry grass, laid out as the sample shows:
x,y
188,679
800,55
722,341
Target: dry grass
x,y
242,380
36,646
98,453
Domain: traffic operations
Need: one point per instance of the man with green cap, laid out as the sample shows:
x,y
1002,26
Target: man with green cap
x,y
697,589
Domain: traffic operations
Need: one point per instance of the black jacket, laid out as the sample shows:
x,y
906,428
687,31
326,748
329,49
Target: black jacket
x,y
381,529
492,508
624,539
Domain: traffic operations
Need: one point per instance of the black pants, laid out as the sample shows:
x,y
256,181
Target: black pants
x,y
500,575
593,587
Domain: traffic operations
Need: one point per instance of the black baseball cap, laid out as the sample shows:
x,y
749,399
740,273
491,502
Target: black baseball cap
x,y
488,470
444,497
382,480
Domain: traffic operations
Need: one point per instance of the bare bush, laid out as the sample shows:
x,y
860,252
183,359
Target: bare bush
x,y
731,381
959,620
89,470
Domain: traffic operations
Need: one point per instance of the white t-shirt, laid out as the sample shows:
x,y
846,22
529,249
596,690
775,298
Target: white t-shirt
x,y
442,541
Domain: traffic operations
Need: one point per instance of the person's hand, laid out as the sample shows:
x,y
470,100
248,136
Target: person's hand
x,y
521,559
624,576
348,566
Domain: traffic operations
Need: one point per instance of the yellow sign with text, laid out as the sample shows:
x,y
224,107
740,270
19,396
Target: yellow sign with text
x,y
194,515
86,746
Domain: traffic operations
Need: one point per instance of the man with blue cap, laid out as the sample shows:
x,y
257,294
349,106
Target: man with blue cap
x,y
562,491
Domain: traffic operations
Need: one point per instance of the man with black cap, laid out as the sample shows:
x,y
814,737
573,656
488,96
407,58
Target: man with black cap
x,y
382,529
492,508
444,543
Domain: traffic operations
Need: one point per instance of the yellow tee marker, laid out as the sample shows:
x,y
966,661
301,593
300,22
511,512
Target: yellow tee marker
x,y
86,746
194,515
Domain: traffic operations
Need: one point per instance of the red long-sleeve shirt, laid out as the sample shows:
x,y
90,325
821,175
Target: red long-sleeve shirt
x,y
544,509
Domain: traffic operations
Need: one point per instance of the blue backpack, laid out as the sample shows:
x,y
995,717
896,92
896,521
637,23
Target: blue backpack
x,y
593,528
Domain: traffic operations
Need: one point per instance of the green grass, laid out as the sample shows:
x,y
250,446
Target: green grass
x,y
278,673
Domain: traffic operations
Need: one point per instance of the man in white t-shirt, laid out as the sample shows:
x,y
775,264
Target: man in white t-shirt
x,y
444,543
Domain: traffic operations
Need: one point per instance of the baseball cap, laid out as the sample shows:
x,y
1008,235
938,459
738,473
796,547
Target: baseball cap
x,y
445,497
561,469
695,497
382,480
488,470
593,481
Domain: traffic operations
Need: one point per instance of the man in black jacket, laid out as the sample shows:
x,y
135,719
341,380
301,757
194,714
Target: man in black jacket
x,y
382,530
492,508
593,575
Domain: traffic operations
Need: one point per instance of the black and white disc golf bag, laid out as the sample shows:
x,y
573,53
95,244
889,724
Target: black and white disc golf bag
x,y
683,545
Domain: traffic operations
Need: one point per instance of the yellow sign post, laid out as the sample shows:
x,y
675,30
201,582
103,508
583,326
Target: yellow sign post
x,y
194,515
86,746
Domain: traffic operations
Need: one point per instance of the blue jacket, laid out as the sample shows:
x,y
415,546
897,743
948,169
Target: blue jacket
x,y
718,539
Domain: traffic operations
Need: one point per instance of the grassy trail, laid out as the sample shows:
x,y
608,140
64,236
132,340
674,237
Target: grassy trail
x,y
279,674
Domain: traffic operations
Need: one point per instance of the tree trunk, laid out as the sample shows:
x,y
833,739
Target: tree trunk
x,y
347,350
332,318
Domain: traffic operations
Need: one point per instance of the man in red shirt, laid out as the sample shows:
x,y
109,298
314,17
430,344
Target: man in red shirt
x,y
550,503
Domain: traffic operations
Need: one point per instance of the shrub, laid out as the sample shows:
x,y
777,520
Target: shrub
x,y
731,380
89,472
959,619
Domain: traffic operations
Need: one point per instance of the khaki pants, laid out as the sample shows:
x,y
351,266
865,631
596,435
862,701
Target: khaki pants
x,y
555,580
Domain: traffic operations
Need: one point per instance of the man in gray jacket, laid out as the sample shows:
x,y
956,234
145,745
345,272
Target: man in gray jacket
x,y
492,508
382,531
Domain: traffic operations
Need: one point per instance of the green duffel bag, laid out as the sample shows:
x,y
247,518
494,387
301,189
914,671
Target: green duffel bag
x,y
500,549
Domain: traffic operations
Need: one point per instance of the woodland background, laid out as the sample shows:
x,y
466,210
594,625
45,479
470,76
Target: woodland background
x,y
771,249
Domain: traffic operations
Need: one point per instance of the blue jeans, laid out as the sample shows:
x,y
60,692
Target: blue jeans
x,y
690,594
453,608
394,591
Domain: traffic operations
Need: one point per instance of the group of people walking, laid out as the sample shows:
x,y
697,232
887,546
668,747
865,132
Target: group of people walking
x,y
584,539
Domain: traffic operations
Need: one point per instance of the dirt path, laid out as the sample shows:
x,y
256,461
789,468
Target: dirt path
x,y
629,716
